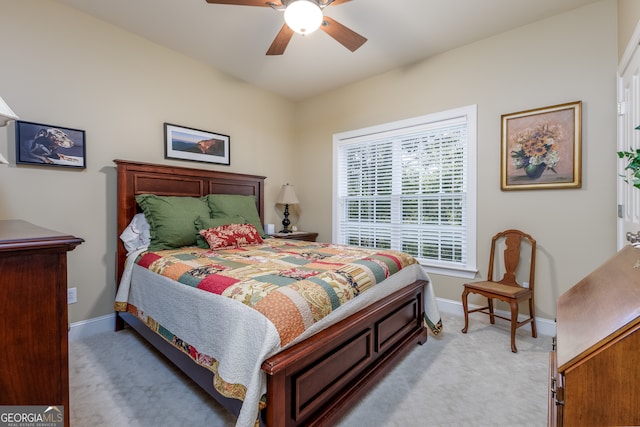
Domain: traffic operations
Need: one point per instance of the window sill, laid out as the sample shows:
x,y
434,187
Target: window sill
x,y
449,271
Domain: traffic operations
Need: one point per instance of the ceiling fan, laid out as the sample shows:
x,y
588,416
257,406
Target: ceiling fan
x,y
303,17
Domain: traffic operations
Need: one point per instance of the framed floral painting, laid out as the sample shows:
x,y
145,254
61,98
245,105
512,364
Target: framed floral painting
x,y
541,148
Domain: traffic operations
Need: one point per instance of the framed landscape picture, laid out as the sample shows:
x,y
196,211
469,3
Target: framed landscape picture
x,y
197,145
49,145
541,148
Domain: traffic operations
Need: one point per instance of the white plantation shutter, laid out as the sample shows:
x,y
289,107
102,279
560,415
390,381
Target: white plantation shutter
x,y
406,186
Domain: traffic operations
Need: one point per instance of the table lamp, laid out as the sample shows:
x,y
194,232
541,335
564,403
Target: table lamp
x,y
5,116
286,197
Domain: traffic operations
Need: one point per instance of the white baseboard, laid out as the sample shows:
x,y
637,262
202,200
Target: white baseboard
x,y
86,328
544,326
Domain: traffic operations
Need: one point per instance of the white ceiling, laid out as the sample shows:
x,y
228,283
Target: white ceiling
x,y
234,39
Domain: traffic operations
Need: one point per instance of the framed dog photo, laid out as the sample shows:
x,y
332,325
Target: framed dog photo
x,y
48,145
197,145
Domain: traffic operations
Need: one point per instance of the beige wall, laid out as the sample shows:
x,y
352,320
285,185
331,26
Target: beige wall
x,y
628,17
566,58
65,68
83,73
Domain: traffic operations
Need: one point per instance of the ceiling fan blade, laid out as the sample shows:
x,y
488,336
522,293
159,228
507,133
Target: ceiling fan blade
x,y
281,41
337,2
263,3
343,35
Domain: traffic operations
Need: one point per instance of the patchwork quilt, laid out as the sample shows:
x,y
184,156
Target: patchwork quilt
x,y
294,284
287,287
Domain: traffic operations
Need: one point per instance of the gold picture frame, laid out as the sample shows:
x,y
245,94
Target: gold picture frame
x,y
541,148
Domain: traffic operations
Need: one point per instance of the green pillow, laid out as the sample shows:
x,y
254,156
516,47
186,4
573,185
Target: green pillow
x,y
172,219
230,205
204,223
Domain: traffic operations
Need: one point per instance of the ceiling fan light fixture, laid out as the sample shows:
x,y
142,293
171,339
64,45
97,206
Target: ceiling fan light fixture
x,y
303,16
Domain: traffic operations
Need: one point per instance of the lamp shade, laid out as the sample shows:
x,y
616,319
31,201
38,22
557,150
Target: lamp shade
x,y
303,16
5,113
287,196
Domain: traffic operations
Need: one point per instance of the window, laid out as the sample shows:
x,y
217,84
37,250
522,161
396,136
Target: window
x,y
410,186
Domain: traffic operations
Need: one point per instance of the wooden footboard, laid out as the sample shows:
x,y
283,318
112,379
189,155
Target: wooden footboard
x,y
316,381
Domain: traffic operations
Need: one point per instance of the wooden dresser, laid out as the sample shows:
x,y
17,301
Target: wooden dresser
x,y
595,366
34,367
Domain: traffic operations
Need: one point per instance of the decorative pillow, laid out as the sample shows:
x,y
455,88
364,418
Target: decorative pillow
x,y
226,205
136,235
172,219
231,235
205,223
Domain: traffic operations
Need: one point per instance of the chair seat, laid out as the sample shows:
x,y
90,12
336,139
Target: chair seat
x,y
507,291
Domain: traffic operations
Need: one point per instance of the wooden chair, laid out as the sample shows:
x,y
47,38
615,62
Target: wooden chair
x,y
507,289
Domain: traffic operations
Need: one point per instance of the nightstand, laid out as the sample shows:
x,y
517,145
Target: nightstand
x,y
297,235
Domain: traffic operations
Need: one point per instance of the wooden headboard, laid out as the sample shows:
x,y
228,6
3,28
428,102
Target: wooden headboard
x,y
137,178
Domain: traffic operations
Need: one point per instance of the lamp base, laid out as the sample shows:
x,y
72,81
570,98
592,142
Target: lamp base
x,y
285,221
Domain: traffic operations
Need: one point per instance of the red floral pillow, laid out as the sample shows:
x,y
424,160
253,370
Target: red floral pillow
x,y
231,235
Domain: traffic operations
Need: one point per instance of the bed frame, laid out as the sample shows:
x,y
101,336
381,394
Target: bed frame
x,y
317,380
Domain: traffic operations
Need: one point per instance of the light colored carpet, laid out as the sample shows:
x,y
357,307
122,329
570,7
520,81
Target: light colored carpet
x,y
117,379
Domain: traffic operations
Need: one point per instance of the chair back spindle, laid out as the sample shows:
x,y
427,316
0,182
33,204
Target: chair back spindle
x,y
511,259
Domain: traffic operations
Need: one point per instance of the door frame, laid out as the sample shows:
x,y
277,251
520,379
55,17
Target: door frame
x,y
628,197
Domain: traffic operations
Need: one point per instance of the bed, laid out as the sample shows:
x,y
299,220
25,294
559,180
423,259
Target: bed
x,y
307,378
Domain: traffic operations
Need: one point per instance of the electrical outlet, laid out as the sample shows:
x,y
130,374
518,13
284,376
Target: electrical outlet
x,y
72,295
